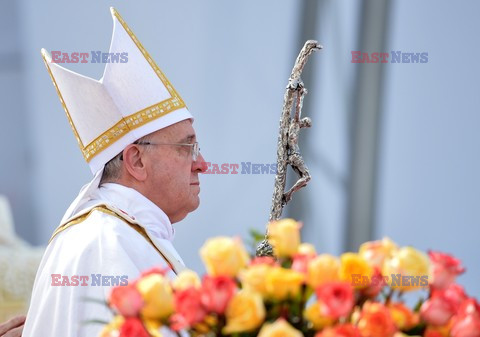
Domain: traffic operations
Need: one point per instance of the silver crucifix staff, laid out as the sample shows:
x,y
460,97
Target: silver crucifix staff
x,y
288,151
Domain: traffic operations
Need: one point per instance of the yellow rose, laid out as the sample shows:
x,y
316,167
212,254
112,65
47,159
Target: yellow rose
x,y
284,235
407,269
224,256
323,268
354,268
158,296
375,252
306,249
279,328
245,312
186,279
312,313
254,278
283,283
112,329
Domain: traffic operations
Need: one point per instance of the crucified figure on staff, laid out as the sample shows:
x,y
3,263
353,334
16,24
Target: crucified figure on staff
x,y
288,151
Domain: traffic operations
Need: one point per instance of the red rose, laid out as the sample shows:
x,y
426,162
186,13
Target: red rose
x,y
133,327
342,330
444,268
189,309
336,299
376,321
126,300
216,292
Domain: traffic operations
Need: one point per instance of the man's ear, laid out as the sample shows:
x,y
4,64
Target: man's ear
x,y
133,162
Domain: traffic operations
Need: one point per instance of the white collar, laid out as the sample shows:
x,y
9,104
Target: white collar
x,y
136,205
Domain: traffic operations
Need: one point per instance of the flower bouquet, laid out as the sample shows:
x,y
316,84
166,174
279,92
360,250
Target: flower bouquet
x,y
300,293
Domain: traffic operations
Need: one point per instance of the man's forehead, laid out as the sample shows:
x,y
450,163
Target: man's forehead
x,y
181,131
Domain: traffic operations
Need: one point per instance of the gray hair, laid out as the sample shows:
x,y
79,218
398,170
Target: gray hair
x,y
113,168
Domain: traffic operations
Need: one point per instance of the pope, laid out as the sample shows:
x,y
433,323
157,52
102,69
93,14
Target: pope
x,y
136,134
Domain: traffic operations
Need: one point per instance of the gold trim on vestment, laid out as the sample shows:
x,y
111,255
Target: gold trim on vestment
x,y
104,209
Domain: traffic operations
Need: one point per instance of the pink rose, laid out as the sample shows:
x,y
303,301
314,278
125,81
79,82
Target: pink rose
x,y
301,261
216,292
155,270
336,299
126,300
263,260
189,309
133,327
468,326
438,309
444,268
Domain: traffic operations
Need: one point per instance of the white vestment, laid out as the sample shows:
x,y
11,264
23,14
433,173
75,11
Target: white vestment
x,y
101,244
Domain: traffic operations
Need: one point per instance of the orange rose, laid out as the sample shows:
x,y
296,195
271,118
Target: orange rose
x,y
403,317
354,267
340,330
375,321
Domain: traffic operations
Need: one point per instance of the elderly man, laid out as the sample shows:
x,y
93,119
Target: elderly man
x,y
137,136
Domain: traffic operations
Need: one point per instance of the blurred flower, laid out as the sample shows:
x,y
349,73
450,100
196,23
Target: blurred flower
x,y
375,252
375,321
467,321
306,249
126,300
403,317
186,279
245,312
188,309
340,330
282,283
323,268
336,299
301,261
279,328
314,315
444,269
352,266
217,292
133,327
268,260
284,235
155,270
112,329
157,295
375,285
408,269
224,256
442,305
254,278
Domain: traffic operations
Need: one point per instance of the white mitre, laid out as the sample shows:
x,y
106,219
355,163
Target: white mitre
x,y
131,100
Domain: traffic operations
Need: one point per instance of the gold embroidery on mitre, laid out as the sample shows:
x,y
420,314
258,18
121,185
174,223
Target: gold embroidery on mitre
x,y
133,121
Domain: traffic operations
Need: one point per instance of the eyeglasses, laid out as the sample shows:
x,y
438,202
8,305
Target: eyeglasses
x,y
194,146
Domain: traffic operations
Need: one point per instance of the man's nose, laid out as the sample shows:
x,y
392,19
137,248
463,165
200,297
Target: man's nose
x,y
199,165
